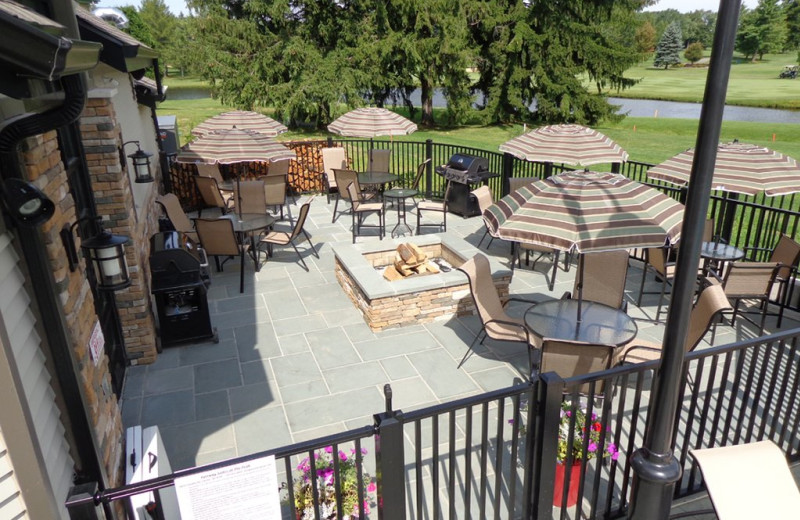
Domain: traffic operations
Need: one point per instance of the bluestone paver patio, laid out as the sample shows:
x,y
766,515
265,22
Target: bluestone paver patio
x,y
295,359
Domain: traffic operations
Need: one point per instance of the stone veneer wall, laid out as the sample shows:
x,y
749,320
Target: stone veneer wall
x,y
42,161
102,140
415,307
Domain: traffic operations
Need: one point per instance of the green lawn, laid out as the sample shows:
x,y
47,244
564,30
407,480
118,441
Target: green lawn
x,y
751,84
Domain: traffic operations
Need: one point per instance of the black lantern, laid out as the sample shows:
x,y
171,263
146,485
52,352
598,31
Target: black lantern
x,y
104,252
141,163
26,203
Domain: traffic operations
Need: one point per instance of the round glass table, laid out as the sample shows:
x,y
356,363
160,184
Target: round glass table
x,y
599,323
399,195
716,254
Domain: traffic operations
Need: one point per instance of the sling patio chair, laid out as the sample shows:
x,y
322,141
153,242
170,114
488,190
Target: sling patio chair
x,y
483,195
576,358
218,238
710,305
604,277
332,158
433,206
275,192
343,178
211,170
283,238
747,481
495,321
749,281
655,260
172,208
787,252
379,160
359,209
212,196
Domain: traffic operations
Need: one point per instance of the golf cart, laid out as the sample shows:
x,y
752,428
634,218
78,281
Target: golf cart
x,y
789,71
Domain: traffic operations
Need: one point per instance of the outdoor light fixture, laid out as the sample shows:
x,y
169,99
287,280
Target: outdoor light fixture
x,y
141,163
26,203
105,253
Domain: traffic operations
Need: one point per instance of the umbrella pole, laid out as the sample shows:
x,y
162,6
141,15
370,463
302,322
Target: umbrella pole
x,y
655,468
580,289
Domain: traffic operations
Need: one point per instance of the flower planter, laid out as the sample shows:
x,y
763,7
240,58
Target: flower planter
x,y
563,477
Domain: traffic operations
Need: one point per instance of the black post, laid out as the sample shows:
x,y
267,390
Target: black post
x,y
429,172
655,468
390,462
548,419
508,171
616,167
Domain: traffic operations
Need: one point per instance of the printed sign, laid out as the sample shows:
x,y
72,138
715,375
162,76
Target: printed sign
x,y
97,344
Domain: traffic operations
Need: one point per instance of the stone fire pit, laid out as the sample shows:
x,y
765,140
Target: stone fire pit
x,y
415,299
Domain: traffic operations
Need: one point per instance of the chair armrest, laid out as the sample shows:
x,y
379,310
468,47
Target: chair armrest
x,y
514,324
566,296
521,300
628,349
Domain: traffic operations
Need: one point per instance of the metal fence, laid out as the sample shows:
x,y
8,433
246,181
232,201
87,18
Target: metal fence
x,y
495,455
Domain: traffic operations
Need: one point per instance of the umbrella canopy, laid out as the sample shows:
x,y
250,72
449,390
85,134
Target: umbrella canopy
x,y
234,146
586,212
568,144
740,168
371,122
241,119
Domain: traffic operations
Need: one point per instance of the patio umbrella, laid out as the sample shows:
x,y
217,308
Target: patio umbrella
x,y
241,119
739,168
587,212
234,146
568,144
371,122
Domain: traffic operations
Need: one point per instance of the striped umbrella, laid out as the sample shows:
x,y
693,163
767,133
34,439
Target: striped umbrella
x,y
568,144
243,120
586,212
740,168
234,146
371,122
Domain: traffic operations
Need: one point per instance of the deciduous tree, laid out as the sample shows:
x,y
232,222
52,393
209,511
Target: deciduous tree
x,y
761,30
645,38
694,52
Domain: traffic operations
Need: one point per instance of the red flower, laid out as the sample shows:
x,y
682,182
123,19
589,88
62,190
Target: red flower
x,y
597,427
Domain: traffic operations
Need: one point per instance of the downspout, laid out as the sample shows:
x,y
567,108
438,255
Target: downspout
x,y
162,155
43,283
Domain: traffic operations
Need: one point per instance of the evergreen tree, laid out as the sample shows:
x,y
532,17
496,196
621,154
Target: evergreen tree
x,y
791,10
668,50
694,52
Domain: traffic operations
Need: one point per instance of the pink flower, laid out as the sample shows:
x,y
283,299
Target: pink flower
x,y
592,447
371,488
342,456
328,449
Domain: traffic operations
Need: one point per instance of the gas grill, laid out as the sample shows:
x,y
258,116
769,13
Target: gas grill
x,y
180,280
462,171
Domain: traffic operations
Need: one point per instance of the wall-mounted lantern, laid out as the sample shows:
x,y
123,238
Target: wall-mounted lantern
x,y
141,163
105,253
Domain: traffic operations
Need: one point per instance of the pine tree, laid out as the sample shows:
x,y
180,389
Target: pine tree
x,y
668,50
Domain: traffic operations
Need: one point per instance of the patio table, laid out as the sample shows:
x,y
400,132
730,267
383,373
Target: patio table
x,y
247,224
558,319
718,254
399,195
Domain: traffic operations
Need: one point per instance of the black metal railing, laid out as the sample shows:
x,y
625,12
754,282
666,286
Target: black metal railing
x,y
495,455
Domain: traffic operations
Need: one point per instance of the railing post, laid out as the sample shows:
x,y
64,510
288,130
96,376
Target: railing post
x,y
544,445
330,141
429,172
81,504
390,461
508,171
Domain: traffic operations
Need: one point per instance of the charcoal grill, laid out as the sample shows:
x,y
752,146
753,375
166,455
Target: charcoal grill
x,y
180,281
463,171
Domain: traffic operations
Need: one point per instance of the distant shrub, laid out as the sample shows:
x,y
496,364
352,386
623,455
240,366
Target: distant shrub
x,y
694,52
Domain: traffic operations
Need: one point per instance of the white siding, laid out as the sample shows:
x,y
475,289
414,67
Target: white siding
x,y
25,343
12,506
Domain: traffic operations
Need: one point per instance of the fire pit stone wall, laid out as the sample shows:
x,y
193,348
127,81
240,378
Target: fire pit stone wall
x,y
416,299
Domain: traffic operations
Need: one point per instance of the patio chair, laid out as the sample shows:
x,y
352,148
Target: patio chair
x,y
604,277
433,206
379,160
172,208
343,178
576,358
275,194
277,168
360,209
484,198
749,281
252,197
655,259
748,481
495,321
217,238
787,252
710,305
211,170
283,238
420,172
332,158
212,196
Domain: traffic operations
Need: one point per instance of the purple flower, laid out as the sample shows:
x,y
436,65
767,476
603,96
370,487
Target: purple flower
x,y
592,447
342,456
328,449
363,451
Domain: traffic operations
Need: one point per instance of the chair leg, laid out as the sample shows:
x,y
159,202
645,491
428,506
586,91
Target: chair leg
x,y
308,237
661,297
241,271
469,349
335,205
552,283
300,256
485,232
641,286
